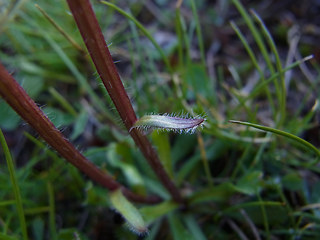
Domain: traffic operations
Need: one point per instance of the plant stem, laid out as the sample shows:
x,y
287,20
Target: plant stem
x,y
91,33
15,186
20,101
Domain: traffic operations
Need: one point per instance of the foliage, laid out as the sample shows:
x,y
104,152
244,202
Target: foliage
x,y
236,181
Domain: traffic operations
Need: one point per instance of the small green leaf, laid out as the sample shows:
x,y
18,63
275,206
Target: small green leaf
x,y
9,119
292,182
169,123
58,117
151,213
119,156
197,82
38,228
179,231
69,233
161,141
249,184
32,84
129,212
193,225
220,193
79,125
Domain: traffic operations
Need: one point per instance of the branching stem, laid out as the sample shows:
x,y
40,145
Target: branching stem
x,y
20,101
91,33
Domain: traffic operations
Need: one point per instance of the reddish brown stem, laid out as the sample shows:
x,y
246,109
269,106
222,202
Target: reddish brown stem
x,y
96,45
19,100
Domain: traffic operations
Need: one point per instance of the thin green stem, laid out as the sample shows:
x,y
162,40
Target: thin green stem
x,y
261,85
273,48
64,103
259,41
254,62
9,12
205,159
15,186
60,30
286,204
249,50
52,220
259,153
179,31
264,216
198,30
281,133
240,161
252,204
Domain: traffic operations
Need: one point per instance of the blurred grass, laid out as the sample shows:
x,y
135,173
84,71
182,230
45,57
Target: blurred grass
x,y
15,187
239,182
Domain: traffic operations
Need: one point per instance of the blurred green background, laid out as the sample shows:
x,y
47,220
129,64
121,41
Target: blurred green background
x,y
217,59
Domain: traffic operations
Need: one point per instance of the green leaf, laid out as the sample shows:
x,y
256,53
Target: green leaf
x,y
32,84
128,211
194,227
161,141
58,117
315,193
178,229
249,184
292,181
38,228
152,213
9,119
183,146
197,82
220,193
80,125
119,156
68,234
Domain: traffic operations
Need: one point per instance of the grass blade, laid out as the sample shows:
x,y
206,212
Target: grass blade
x,y
281,133
162,142
52,221
179,230
143,30
194,227
179,32
254,61
257,37
60,29
204,159
198,30
64,103
274,50
248,48
15,186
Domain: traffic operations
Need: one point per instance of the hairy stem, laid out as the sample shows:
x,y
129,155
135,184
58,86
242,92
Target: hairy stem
x,y
91,33
20,101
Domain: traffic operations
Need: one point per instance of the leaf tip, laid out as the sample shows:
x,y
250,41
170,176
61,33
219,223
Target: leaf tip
x,y
129,212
